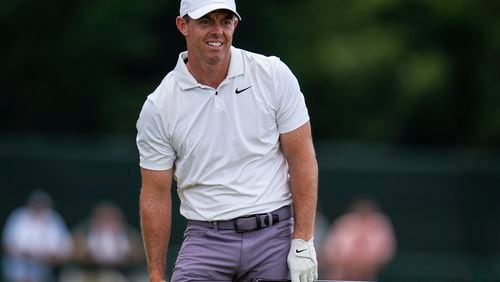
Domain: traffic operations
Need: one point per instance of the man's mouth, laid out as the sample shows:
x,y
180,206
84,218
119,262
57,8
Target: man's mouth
x,y
214,44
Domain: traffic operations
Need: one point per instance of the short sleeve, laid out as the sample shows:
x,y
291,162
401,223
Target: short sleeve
x,y
291,107
155,151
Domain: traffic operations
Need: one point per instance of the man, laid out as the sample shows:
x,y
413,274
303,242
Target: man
x,y
35,239
360,243
233,130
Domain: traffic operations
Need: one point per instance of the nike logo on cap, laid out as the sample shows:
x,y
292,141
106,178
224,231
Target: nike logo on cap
x,y
237,91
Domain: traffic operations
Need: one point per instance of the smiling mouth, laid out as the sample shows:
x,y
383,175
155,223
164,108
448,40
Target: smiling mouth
x,y
214,44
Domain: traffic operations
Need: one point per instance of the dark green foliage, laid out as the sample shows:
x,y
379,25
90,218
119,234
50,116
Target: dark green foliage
x,y
412,72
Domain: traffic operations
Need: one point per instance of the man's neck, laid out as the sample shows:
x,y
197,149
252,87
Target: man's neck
x,y
208,74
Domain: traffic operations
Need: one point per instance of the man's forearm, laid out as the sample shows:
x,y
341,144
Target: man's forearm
x,y
156,218
304,189
298,149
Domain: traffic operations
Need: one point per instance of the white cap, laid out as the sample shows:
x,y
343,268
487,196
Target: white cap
x,y
198,8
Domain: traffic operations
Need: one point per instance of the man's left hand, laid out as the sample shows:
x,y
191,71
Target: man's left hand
x,y
302,261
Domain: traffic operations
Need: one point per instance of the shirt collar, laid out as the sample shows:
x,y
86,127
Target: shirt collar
x,y
186,80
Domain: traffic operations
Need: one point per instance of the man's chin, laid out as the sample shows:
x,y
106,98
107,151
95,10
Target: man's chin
x,y
214,60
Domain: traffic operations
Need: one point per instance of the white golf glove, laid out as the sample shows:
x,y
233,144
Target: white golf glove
x,y
302,261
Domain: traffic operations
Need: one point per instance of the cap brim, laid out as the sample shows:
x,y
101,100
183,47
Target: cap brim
x,y
198,13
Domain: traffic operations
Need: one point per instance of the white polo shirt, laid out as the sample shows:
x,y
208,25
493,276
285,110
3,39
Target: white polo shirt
x,y
224,142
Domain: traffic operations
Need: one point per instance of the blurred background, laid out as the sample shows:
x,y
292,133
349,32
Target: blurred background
x,y
403,96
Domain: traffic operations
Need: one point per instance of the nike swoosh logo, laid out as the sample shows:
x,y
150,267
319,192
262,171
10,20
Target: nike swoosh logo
x,y
299,251
237,91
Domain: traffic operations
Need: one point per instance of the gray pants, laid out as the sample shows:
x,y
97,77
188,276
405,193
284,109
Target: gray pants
x,y
211,254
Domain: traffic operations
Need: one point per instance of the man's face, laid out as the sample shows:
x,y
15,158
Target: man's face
x,y
210,37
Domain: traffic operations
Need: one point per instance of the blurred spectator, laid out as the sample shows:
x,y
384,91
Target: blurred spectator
x,y
359,244
35,239
106,247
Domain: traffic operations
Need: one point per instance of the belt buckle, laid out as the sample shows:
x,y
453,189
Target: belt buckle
x,y
246,223
275,217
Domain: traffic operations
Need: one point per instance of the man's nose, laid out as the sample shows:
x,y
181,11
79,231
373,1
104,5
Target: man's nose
x,y
217,28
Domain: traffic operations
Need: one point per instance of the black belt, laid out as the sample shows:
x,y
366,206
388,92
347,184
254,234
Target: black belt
x,y
249,222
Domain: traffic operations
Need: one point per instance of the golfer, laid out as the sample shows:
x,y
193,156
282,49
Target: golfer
x,y
231,127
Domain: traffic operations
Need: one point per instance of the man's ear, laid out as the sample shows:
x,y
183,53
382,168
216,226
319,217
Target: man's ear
x,y
181,25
